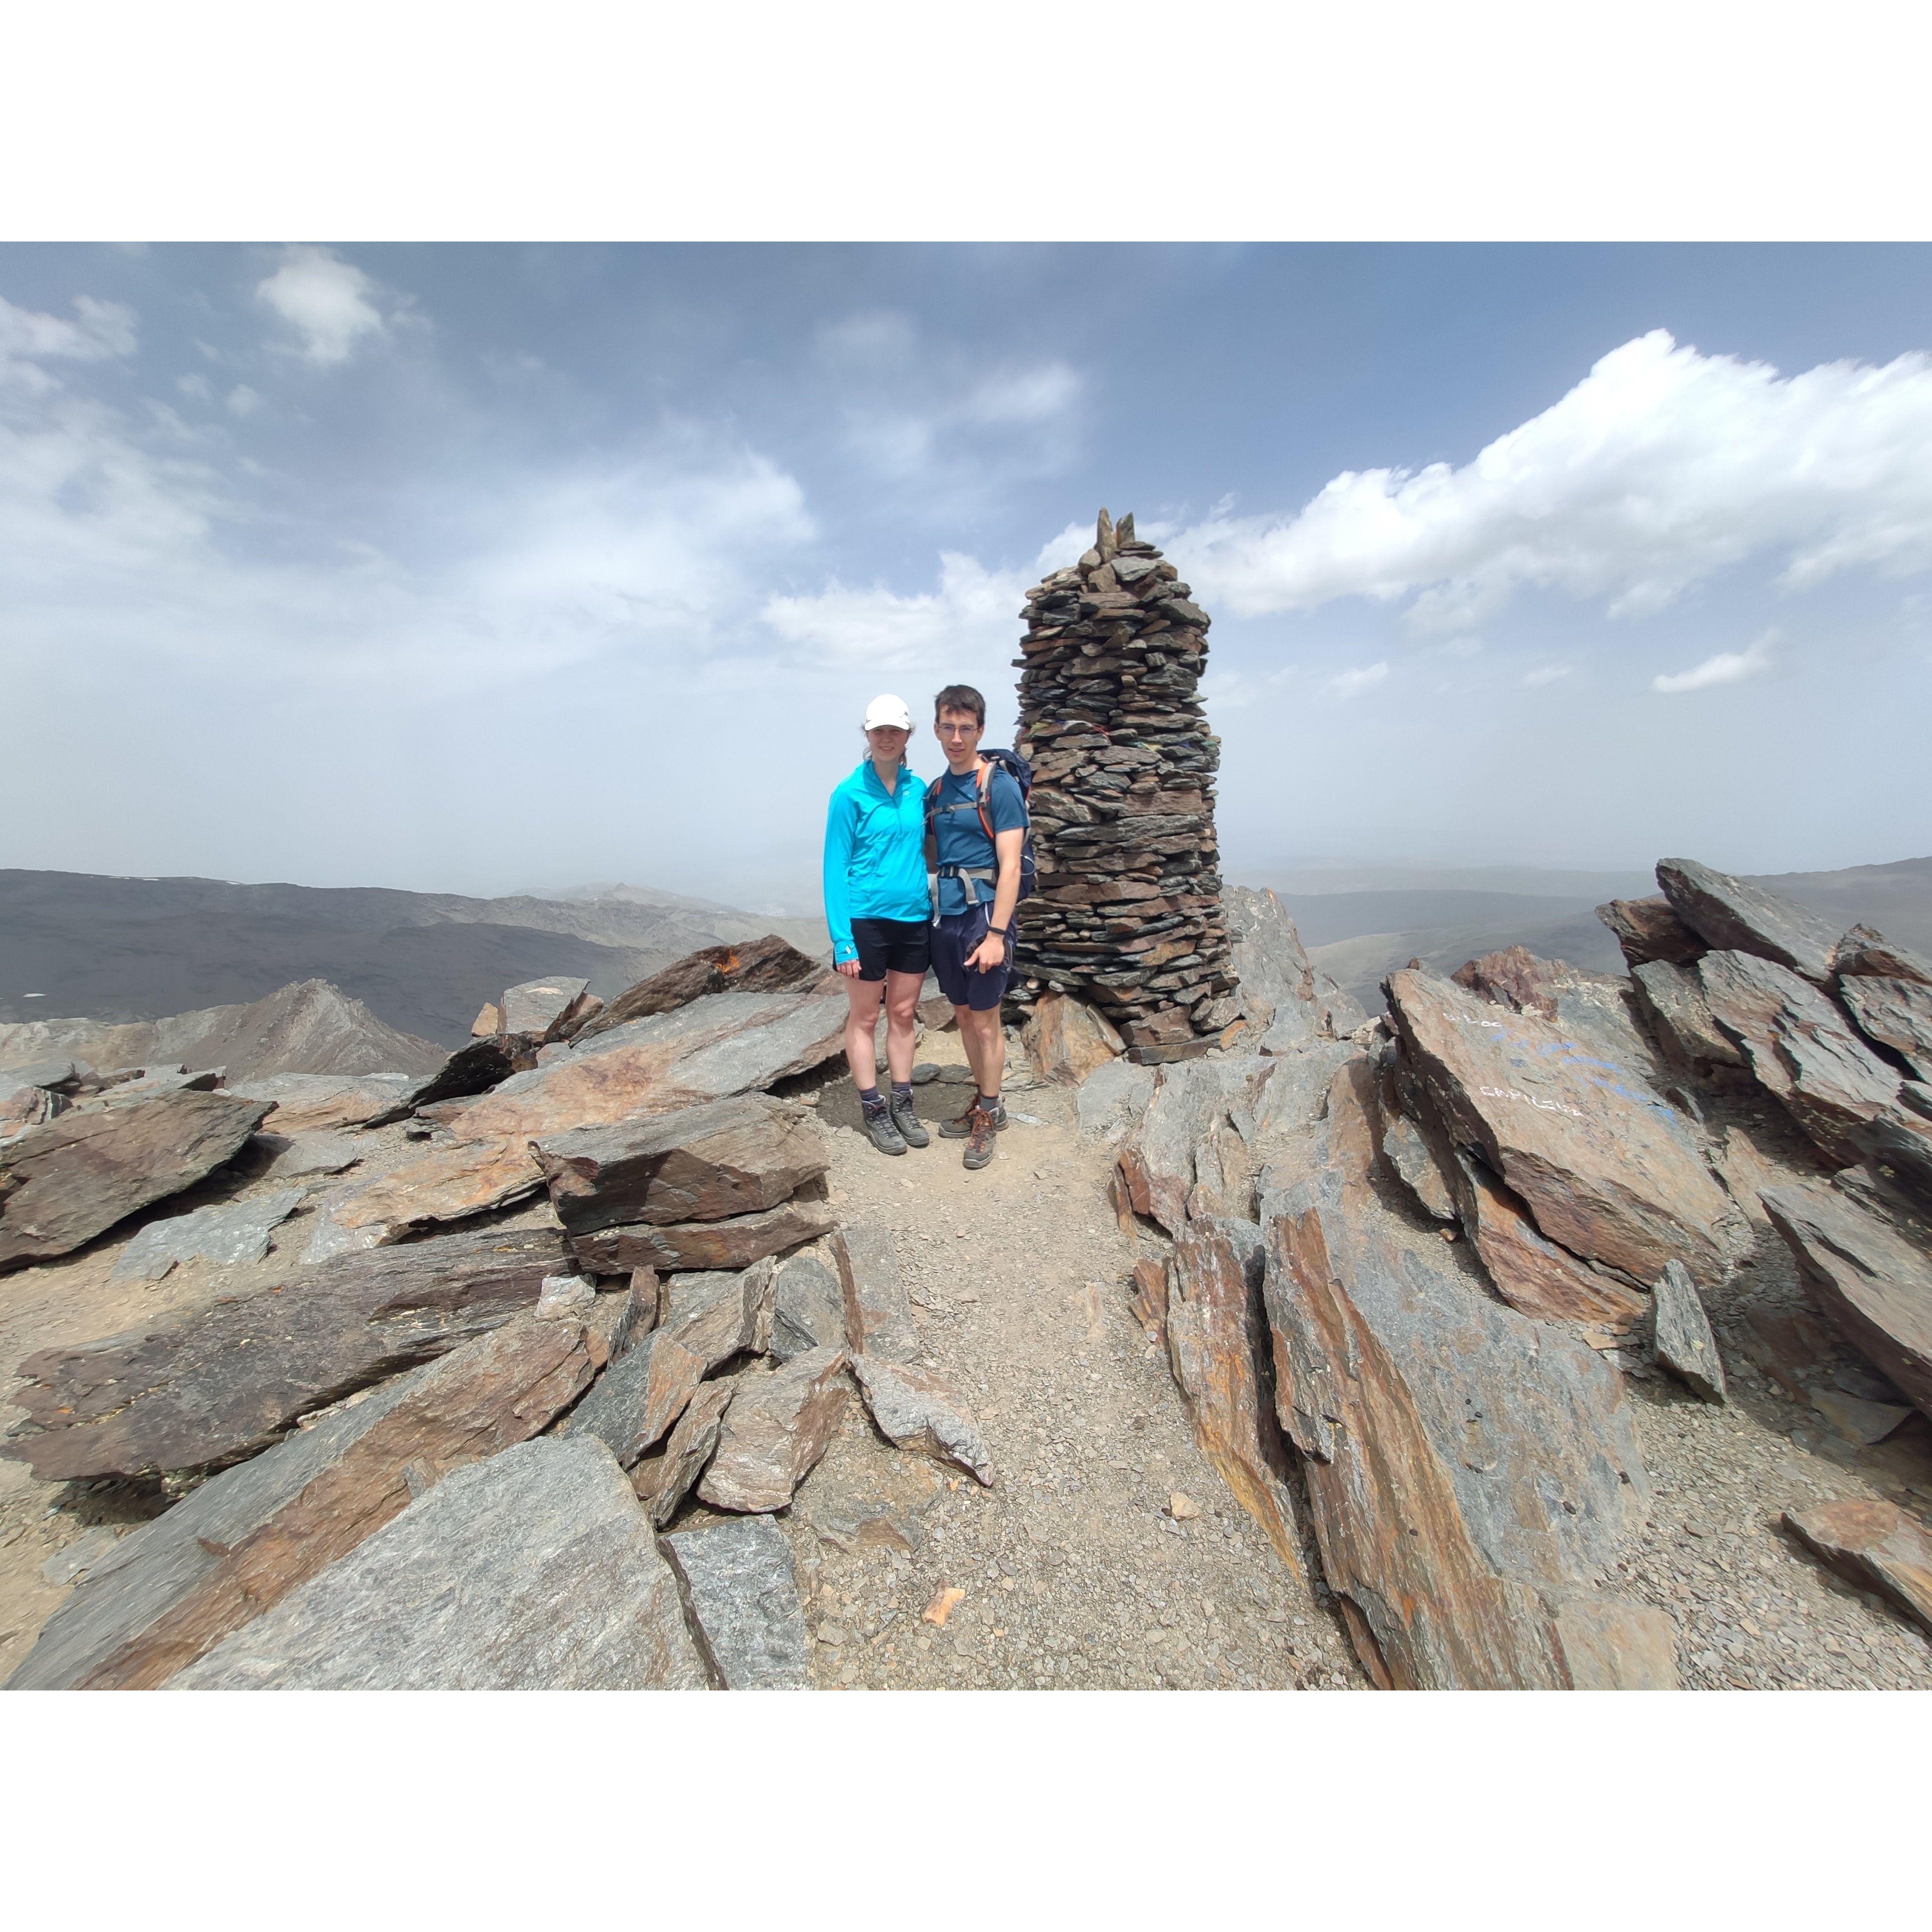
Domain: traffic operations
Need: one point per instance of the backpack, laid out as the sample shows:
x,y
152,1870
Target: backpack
x,y
1021,772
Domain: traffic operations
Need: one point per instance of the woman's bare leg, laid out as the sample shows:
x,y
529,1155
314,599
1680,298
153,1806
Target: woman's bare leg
x,y
902,1015
861,1021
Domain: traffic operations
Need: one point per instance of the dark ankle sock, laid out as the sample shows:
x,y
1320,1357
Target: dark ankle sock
x,y
901,1089
869,1098
989,1101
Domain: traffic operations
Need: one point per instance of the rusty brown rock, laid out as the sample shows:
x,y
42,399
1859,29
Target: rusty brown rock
x,y
729,1043
1512,978
74,1177
1066,1040
1469,1470
1800,1048
496,1390
1149,1305
1730,915
489,1020
1647,929
1870,1273
702,1245
737,1155
1533,1275
1865,951
1605,1168
663,1481
1745,1173
767,965
774,1431
226,1383
1875,1546
1897,1013
1216,1335
1609,1645
308,1103
1681,1337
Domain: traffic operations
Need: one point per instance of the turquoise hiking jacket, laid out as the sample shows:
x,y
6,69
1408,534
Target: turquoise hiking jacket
x,y
875,854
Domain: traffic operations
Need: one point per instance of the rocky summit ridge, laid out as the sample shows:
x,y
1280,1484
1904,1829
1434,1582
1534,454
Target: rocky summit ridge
x,y
1424,1286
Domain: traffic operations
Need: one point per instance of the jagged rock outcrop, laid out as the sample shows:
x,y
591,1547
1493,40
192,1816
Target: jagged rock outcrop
x,y
1127,913
1730,915
767,965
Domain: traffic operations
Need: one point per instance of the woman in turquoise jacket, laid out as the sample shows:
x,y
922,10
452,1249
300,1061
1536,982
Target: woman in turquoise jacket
x,y
877,906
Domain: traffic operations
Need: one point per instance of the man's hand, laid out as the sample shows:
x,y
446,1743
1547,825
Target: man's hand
x,y
849,968
990,954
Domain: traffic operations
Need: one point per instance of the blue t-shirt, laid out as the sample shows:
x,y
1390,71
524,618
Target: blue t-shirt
x,y
962,839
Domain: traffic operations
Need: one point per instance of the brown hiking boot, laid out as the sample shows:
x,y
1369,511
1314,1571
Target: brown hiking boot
x,y
980,1143
961,1129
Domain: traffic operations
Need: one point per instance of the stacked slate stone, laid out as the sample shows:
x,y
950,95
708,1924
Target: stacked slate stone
x,y
1127,913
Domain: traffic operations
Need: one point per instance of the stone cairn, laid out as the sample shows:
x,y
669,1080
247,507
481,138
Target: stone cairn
x,y
1127,912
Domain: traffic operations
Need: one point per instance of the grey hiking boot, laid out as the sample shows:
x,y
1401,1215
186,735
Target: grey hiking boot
x,y
879,1130
962,1128
980,1144
905,1117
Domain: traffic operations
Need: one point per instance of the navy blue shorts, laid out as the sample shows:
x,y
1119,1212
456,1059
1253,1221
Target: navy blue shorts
x,y
890,945
954,939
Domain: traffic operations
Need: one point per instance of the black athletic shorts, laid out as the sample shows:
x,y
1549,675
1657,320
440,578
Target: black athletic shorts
x,y
891,946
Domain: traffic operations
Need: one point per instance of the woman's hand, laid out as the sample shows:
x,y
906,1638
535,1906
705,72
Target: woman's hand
x,y
849,968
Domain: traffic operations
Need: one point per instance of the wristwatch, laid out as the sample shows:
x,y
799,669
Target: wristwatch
x,y
999,929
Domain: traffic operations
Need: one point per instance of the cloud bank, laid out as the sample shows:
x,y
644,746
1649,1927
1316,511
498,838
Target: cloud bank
x,y
1662,468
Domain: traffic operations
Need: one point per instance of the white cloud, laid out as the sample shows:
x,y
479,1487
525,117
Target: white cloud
x,y
1023,395
971,613
1547,674
325,298
1726,667
101,332
242,401
1663,467
198,387
1353,683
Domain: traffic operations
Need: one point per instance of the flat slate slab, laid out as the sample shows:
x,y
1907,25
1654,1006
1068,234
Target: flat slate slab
x,y
737,1155
742,1587
776,1429
539,1007
1864,950
1647,929
226,1383
1800,1048
878,1313
1672,1002
1875,1546
919,1410
1604,1167
728,1043
537,1569
228,1235
315,1102
703,1245
1732,916
74,1177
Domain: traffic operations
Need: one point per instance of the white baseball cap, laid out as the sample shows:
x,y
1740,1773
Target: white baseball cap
x,y
887,709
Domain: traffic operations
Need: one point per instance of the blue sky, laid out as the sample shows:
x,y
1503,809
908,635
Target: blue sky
x,y
474,567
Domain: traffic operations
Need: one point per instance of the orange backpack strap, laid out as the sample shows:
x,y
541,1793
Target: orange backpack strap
x,y
985,793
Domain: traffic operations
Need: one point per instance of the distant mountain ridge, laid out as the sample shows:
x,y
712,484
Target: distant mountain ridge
x,y
128,949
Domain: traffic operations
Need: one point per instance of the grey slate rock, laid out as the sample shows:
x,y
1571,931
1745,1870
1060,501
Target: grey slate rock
x,y
154,1568
1113,1097
1731,915
536,1007
50,1075
1671,999
228,1235
878,1314
1866,951
614,1409
741,1585
69,1565
536,1570
1897,1013
808,1308
1681,1334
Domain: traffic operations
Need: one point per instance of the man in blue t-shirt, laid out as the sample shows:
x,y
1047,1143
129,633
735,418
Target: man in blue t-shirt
x,y
979,887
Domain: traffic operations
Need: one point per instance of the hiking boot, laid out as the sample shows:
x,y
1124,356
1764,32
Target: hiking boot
x,y
881,1131
962,1128
980,1143
905,1117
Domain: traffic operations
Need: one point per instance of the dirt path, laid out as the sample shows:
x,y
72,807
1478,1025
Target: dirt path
x,y
1075,1573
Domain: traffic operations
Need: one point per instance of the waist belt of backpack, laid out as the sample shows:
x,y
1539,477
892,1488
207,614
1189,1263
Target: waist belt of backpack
x,y
990,874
